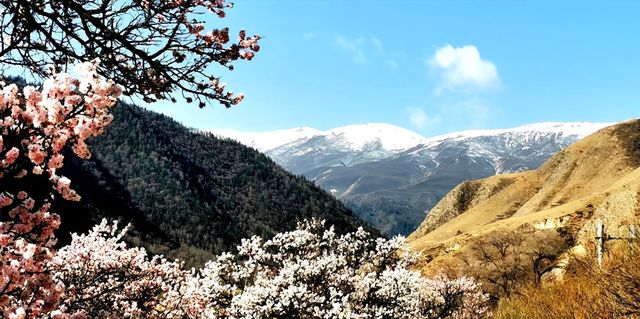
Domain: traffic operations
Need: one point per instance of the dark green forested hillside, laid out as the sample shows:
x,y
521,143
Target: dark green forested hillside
x,y
188,194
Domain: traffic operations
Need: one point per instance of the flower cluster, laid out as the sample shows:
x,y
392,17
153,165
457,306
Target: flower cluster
x,y
106,279
305,273
315,273
36,125
26,245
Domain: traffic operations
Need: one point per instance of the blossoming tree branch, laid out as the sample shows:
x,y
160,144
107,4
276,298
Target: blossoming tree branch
x,y
37,125
155,49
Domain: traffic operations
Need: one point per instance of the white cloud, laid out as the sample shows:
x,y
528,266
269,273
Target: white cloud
x,y
378,45
309,35
354,47
462,68
364,50
420,119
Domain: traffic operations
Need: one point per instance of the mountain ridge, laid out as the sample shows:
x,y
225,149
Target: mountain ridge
x,y
580,129
394,190
595,179
283,137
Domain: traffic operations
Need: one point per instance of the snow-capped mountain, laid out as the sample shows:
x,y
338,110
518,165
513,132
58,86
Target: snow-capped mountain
x,y
302,149
529,131
532,141
392,177
385,136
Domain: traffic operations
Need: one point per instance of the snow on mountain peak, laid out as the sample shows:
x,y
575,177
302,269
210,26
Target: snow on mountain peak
x,y
351,137
577,129
390,137
393,138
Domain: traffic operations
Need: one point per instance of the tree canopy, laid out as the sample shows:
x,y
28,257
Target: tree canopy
x,y
155,49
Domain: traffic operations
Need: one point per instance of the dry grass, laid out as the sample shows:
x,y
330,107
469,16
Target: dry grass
x,y
577,297
504,263
585,292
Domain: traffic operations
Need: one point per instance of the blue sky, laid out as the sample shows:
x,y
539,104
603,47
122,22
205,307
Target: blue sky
x,y
433,67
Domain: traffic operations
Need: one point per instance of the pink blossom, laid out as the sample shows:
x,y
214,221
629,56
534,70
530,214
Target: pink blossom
x,y
37,170
5,200
36,154
47,121
11,155
55,161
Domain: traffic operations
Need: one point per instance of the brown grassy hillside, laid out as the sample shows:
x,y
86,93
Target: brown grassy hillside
x,y
597,178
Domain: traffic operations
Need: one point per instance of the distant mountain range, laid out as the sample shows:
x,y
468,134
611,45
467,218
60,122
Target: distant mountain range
x,y
392,177
304,149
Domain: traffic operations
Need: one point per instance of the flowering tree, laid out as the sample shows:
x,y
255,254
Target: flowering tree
x,y
305,273
153,48
311,273
36,126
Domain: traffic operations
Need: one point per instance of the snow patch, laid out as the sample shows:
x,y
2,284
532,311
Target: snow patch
x,y
578,129
359,137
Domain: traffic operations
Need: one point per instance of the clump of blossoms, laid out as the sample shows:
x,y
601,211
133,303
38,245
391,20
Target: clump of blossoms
x,y
306,273
106,279
316,273
36,125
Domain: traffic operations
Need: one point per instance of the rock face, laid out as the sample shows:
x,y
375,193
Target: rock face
x,y
596,179
392,177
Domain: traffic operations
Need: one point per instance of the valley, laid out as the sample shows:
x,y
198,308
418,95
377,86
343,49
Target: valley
x,y
192,207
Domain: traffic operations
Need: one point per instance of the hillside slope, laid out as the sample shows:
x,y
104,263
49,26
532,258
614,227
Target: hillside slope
x,y
189,193
597,178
